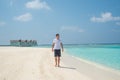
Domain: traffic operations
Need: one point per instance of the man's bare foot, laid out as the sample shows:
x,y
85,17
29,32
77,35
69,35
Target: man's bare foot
x,y
56,65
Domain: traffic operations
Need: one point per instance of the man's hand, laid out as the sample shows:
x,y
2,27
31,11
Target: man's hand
x,y
53,47
62,47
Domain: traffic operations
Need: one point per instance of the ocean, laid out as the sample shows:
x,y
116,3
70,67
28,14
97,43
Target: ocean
x,y
104,54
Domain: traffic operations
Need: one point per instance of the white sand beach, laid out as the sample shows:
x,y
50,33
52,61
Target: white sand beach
x,y
21,63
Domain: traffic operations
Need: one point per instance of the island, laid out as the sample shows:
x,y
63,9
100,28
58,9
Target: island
x,y
23,43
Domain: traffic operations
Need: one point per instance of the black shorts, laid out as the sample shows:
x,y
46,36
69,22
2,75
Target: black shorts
x,y
57,53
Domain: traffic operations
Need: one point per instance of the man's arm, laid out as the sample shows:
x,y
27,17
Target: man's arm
x,y
53,47
62,47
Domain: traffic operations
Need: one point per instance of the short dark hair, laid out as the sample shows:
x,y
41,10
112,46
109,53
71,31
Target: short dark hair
x,y
57,34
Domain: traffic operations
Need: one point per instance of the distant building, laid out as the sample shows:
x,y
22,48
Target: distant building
x,y
24,43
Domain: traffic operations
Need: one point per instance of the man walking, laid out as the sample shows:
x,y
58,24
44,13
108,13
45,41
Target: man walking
x,y
56,48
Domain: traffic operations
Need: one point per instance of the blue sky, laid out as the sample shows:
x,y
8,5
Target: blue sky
x,y
77,21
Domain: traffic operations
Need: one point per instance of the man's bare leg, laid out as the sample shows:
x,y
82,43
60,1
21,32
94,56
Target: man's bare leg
x,y
55,61
58,61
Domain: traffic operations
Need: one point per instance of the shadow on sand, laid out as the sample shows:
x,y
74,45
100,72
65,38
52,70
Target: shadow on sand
x,y
67,67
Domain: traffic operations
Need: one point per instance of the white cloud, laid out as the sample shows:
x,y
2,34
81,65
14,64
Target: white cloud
x,y
25,17
2,23
115,30
105,17
11,3
118,23
71,28
37,4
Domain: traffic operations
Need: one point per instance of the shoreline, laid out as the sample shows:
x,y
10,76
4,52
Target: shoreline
x,y
98,70
97,65
33,63
94,63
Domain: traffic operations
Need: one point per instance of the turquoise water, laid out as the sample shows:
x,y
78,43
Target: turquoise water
x,y
107,55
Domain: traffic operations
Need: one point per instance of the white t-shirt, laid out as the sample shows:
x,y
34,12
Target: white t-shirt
x,y
57,44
